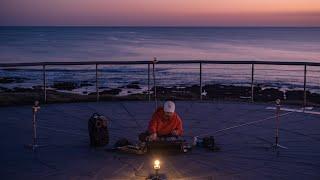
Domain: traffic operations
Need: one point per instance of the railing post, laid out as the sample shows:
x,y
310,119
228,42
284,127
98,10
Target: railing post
x,y
97,85
200,74
305,86
154,82
44,84
252,82
149,95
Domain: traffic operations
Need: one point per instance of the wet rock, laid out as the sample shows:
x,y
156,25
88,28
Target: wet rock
x,y
194,89
114,91
7,80
174,93
133,85
37,87
314,98
268,94
226,91
85,84
65,85
19,89
3,89
296,95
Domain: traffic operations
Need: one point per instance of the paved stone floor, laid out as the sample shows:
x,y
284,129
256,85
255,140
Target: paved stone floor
x,y
245,152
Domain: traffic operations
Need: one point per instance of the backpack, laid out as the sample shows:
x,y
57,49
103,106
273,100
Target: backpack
x,y
98,130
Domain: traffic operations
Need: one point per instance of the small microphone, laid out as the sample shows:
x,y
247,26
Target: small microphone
x,y
36,106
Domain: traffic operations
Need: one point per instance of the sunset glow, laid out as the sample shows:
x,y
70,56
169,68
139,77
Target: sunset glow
x,y
161,12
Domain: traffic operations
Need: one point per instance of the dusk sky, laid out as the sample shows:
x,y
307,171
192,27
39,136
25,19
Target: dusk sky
x,y
161,12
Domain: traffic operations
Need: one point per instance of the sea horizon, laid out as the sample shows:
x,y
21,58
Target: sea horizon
x,y
104,43
29,44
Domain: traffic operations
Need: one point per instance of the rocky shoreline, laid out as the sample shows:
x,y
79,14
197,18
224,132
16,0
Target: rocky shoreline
x,y
20,96
8,80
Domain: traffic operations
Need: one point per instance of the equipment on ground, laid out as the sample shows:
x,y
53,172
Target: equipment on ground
x,y
209,143
168,146
162,145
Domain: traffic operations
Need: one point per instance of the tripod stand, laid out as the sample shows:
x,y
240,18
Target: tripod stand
x,y
34,144
276,145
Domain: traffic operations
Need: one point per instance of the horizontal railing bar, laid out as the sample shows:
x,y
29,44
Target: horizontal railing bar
x,y
229,68
277,75
279,69
238,62
73,63
159,62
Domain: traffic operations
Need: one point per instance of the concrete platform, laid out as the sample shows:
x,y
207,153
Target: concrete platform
x,y
245,150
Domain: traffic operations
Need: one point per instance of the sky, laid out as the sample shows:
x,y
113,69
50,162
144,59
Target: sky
x,y
160,12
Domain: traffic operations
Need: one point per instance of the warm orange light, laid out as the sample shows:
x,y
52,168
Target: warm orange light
x,y
156,165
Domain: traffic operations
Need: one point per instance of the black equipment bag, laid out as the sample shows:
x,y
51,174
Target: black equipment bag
x,y
168,146
122,142
98,130
209,143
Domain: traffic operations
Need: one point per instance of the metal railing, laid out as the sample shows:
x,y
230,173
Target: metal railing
x,y
154,63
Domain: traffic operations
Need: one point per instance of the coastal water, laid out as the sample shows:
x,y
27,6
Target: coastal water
x,y
39,44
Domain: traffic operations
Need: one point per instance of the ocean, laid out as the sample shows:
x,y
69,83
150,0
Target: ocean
x,y
60,44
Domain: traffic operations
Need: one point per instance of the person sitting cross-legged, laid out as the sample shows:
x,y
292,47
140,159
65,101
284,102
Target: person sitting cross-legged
x,y
165,122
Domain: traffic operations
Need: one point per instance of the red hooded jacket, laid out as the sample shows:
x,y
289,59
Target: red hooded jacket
x,y
162,126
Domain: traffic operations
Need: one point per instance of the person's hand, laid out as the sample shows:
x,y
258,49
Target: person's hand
x,y
153,137
175,133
